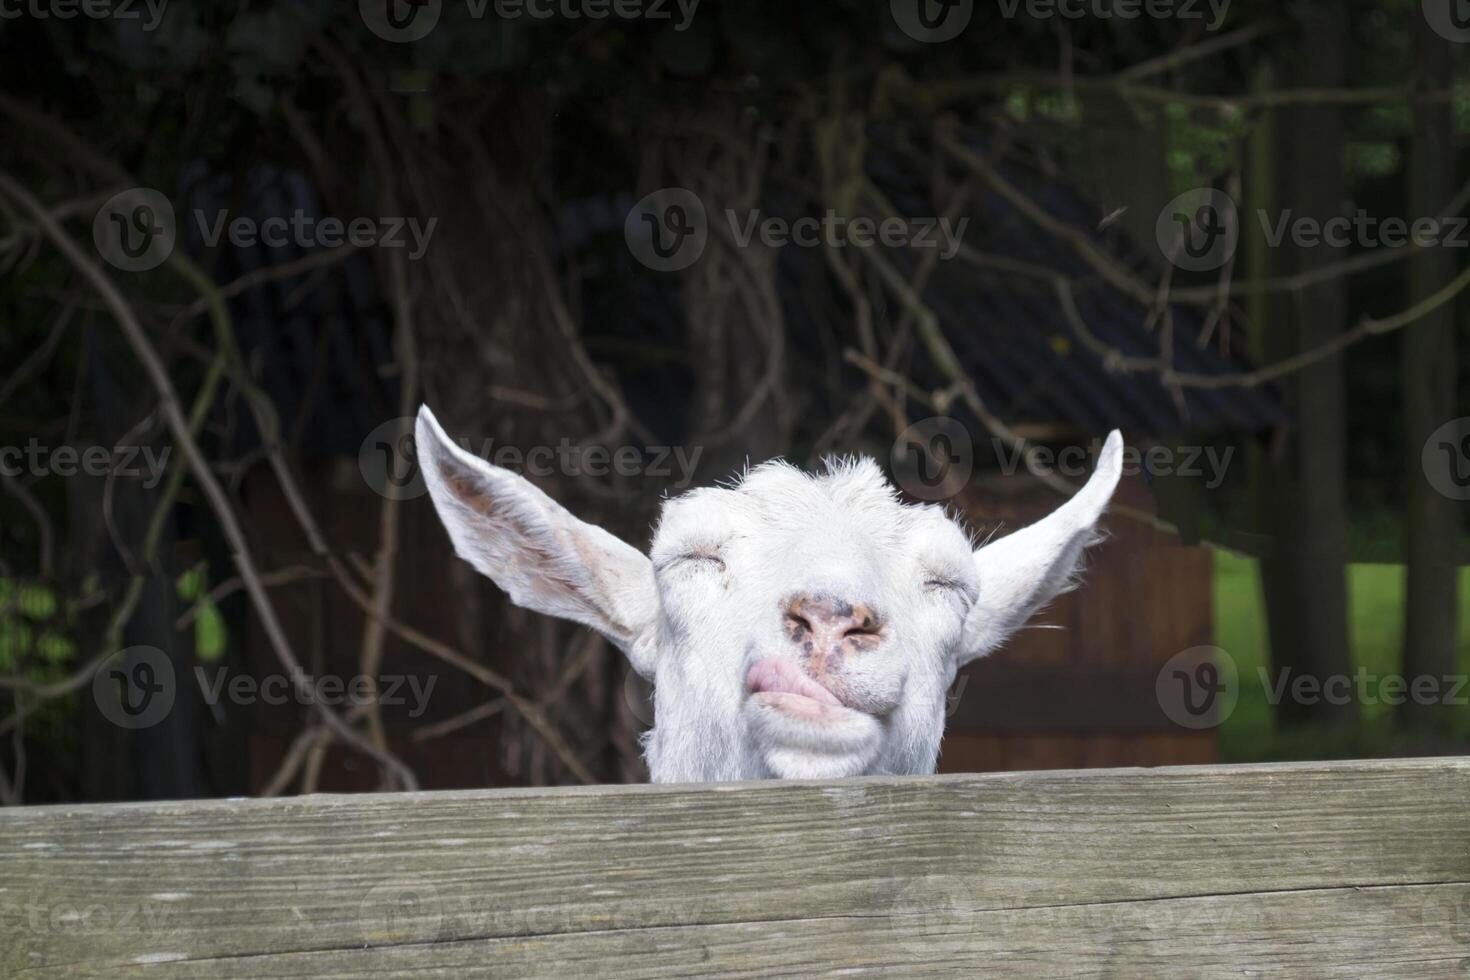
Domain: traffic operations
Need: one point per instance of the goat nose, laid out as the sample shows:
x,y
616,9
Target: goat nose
x,y
827,622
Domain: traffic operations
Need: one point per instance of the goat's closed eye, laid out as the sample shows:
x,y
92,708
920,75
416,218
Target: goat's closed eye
x,y
940,583
702,558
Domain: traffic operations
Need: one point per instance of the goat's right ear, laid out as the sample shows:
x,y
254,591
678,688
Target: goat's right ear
x,y
534,549
1022,572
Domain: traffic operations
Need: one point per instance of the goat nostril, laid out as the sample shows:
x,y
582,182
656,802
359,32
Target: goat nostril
x,y
830,619
863,624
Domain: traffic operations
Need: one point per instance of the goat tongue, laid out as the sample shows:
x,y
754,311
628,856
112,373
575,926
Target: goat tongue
x,y
780,676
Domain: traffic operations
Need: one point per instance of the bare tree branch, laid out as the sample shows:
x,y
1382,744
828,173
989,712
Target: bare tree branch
x,y
178,426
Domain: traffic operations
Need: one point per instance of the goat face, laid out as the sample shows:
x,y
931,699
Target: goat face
x,y
793,625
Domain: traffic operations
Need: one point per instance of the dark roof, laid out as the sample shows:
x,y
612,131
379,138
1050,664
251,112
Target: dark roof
x,y
1013,339
318,338
1008,331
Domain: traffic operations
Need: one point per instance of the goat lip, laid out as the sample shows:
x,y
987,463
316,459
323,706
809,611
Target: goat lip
x,y
800,708
781,677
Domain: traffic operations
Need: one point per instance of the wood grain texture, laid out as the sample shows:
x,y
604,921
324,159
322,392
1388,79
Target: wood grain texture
x,y
1345,869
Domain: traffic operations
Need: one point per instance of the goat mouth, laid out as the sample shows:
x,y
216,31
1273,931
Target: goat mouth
x,y
802,729
781,685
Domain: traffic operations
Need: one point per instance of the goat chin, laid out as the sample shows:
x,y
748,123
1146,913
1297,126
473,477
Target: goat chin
x,y
801,739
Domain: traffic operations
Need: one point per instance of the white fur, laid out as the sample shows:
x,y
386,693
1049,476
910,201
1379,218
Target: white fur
x,y
709,601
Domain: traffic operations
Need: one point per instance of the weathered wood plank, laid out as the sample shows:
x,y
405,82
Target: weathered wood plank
x,y
1313,869
1416,931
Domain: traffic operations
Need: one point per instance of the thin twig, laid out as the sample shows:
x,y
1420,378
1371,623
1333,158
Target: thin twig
x,y
463,720
178,425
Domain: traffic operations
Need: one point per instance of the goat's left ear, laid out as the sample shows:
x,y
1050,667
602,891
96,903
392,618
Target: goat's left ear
x,y
533,548
1022,572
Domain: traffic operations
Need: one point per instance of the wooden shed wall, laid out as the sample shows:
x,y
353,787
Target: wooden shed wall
x,y
1077,688
1076,697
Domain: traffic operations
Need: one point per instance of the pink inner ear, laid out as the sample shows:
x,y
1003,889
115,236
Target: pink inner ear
x,y
468,493
773,676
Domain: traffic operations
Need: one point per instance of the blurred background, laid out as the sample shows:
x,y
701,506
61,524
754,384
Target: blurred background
x,y
630,246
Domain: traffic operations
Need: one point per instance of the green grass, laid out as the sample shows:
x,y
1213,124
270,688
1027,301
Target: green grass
x,y
1375,631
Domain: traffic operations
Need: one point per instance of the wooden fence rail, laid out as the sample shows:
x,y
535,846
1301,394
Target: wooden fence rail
x,y
1320,870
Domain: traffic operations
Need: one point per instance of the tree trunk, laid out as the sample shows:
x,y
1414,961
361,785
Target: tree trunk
x,y
165,755
1428,385
1305,571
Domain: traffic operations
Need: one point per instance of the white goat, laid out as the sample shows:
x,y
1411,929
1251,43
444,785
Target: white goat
x,y
793,626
